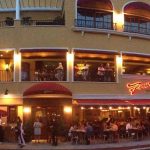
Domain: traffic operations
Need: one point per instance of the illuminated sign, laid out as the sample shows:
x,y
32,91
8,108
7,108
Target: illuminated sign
x,y
137,86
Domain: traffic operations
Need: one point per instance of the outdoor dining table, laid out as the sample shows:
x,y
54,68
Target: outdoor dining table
x,y
110,135
136,133
79,136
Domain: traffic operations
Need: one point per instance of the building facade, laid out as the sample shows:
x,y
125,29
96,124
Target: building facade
x,y
80,59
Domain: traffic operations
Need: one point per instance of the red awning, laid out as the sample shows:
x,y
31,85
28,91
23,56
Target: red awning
x,y
47,88
112,102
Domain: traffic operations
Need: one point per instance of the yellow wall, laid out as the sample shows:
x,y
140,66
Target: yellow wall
x,y
65,36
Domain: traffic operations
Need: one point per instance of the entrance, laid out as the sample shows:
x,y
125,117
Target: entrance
x,y
46,100
45,114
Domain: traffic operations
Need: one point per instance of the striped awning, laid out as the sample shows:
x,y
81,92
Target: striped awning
x,y
32,5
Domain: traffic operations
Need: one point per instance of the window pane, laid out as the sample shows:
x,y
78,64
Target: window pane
x,y
43,66
6,66
93,67
136,65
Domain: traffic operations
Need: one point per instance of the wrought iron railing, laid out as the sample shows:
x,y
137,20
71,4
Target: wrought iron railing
x,y
42,22
137,29
95,24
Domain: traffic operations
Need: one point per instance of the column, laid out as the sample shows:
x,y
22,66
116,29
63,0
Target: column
x,y
17,66
17,9
118,67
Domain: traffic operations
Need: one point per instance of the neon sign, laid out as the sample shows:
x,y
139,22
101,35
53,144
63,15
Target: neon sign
x,y
137,86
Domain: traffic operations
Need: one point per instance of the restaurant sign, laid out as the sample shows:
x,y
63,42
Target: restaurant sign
x,y
137,86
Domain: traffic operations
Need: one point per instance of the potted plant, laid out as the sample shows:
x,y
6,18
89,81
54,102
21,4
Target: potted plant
x,y
26,21
9,21
59,20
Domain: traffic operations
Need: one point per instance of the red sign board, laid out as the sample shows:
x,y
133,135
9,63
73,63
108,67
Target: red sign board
x,y
137,86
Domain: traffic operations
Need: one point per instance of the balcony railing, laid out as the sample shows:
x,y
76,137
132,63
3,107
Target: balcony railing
x,y
42,22
95,24
6,76
137,29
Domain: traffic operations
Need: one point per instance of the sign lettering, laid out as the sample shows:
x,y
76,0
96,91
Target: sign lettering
x,y
137,86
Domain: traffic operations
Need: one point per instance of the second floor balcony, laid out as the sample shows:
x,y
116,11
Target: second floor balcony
x,y
27,21
137,28
95,24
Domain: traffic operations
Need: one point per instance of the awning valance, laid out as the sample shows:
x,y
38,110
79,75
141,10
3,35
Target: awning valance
x,y
46,89
111,102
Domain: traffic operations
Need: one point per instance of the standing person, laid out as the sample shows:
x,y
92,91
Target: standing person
x,y
37,130
20,132
54,130
101,72
1,131
85,72
59,72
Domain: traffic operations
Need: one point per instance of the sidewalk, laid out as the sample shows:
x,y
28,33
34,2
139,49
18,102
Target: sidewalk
x,y
68,146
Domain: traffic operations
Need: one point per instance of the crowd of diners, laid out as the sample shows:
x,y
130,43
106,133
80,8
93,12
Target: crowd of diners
x,y
109,130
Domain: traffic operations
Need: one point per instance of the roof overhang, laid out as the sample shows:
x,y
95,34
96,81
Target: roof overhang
x,y
32,5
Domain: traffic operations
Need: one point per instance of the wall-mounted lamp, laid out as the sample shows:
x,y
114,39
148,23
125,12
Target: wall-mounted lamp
x,y
6,92
6,67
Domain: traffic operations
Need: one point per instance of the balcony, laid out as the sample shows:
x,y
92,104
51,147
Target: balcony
x,y
137,29
95,24
30,22
6,76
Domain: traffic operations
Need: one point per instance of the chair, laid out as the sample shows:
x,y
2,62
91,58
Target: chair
x,y
74,138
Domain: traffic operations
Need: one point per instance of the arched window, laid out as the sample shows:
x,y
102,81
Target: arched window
x,y
137,18
94,14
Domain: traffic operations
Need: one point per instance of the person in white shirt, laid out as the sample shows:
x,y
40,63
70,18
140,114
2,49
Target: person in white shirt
x,y
128,126
37,130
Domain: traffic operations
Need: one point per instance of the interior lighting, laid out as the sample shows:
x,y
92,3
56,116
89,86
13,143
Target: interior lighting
x,y
128,107
119,107
17,57
104,110
70,57
118,18
20,111
120,111
27,110
91,108
144,107
6,67
119,61
68,109
82,108
101,108
110,107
